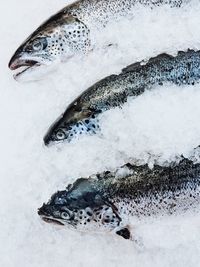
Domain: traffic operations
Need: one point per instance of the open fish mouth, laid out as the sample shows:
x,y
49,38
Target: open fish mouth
x,y
22,66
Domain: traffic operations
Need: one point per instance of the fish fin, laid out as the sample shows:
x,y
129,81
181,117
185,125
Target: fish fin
x,y
131,67
124,232
137,65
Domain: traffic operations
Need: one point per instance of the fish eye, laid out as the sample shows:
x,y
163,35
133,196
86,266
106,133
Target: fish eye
x,y
60,135
39,44
65,215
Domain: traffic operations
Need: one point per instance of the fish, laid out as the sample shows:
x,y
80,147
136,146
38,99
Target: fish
x,y
71,31
82,116
111,201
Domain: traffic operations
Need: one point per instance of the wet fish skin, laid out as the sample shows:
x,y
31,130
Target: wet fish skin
x,y
81,117
107,201
69,31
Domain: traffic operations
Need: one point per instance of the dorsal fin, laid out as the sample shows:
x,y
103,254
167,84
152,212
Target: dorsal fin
x,y
136,65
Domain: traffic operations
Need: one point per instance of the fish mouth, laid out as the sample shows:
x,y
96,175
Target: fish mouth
x,y
21,66
48,141
46,217
50,220
18,63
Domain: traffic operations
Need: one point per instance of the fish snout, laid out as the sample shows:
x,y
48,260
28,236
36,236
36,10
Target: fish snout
x,y
45,210
47,139
15,59
46,214
17,62
22,59
48,209
13,63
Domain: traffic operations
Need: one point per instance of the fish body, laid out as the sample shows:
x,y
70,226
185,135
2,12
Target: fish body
x,y
81,117
107,201
70,31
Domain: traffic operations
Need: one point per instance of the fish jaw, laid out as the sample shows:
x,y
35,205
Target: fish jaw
x,y
23,63
51,214
17,62
51,220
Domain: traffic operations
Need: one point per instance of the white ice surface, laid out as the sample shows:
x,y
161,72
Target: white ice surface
x,y
162,123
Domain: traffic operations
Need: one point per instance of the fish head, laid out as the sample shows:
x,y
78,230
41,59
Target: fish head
x,y
80,207
77,120
56,40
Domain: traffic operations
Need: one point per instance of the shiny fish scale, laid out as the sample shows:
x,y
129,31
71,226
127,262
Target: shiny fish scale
x,y
160,191
131,192
99,13
114,91
74,30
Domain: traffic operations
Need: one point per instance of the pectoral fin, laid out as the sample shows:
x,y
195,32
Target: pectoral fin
x,y
124,232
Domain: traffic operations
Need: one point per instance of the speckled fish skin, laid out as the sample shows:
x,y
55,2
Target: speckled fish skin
x,y
81,117
70,31
107,201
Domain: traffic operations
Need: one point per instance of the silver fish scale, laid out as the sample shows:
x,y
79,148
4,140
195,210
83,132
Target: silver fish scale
x,y
114,91
160,205
74,30
149,192
110,200
101,11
